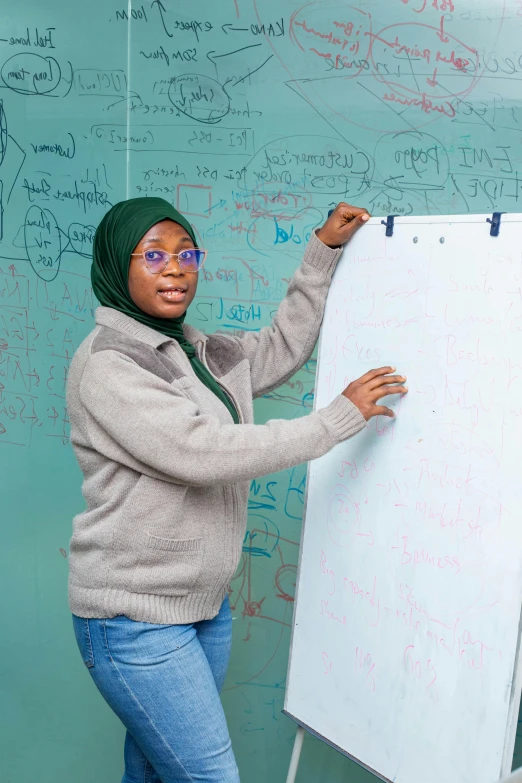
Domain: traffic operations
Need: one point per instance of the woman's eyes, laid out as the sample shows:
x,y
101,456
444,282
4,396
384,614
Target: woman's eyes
x,y
153,255
157,255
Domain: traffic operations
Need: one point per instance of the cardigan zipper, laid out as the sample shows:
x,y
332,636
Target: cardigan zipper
x,y
227,391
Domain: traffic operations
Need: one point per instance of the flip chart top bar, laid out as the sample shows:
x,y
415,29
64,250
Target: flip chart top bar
x,y
495,220
429,220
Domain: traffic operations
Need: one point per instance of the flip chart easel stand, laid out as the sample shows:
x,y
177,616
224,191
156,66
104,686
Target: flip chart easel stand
x,y
296,754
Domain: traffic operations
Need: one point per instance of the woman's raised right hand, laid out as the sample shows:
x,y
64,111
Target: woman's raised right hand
x,y
376,384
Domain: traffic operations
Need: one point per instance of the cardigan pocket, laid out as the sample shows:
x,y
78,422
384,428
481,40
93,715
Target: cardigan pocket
x,y
168,566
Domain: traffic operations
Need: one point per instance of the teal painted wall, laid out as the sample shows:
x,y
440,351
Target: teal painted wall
x,y
254,118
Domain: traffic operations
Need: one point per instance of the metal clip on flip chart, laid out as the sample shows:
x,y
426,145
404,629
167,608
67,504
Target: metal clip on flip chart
x,y
495,223
389,225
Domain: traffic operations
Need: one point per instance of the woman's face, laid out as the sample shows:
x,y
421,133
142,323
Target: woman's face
x,y
169,293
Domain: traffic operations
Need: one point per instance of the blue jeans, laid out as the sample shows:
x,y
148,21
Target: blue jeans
x,y
163,682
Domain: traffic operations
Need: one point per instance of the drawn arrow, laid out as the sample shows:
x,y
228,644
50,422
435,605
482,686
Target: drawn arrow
x,y
162,10
402,291
233,29
131,94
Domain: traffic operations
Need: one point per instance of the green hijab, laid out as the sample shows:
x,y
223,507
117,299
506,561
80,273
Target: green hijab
x,y
116,237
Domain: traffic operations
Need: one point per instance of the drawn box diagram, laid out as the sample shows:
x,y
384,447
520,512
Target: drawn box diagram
x,y
194,200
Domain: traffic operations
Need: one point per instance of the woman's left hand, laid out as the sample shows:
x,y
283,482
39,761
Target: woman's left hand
x,y
342,224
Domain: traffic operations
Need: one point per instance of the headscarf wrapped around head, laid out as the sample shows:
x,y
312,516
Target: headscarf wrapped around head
x,y
116,237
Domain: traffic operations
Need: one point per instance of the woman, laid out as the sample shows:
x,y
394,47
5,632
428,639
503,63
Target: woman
x,y
161,423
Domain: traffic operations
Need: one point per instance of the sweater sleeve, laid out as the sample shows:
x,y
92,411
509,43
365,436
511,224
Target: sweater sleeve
x,y
276,352
144,422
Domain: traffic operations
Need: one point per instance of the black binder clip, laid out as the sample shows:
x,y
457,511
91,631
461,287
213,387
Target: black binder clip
x,y
389,225
495,223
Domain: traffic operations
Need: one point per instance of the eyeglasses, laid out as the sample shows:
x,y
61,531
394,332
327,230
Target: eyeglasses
x,y
190,260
